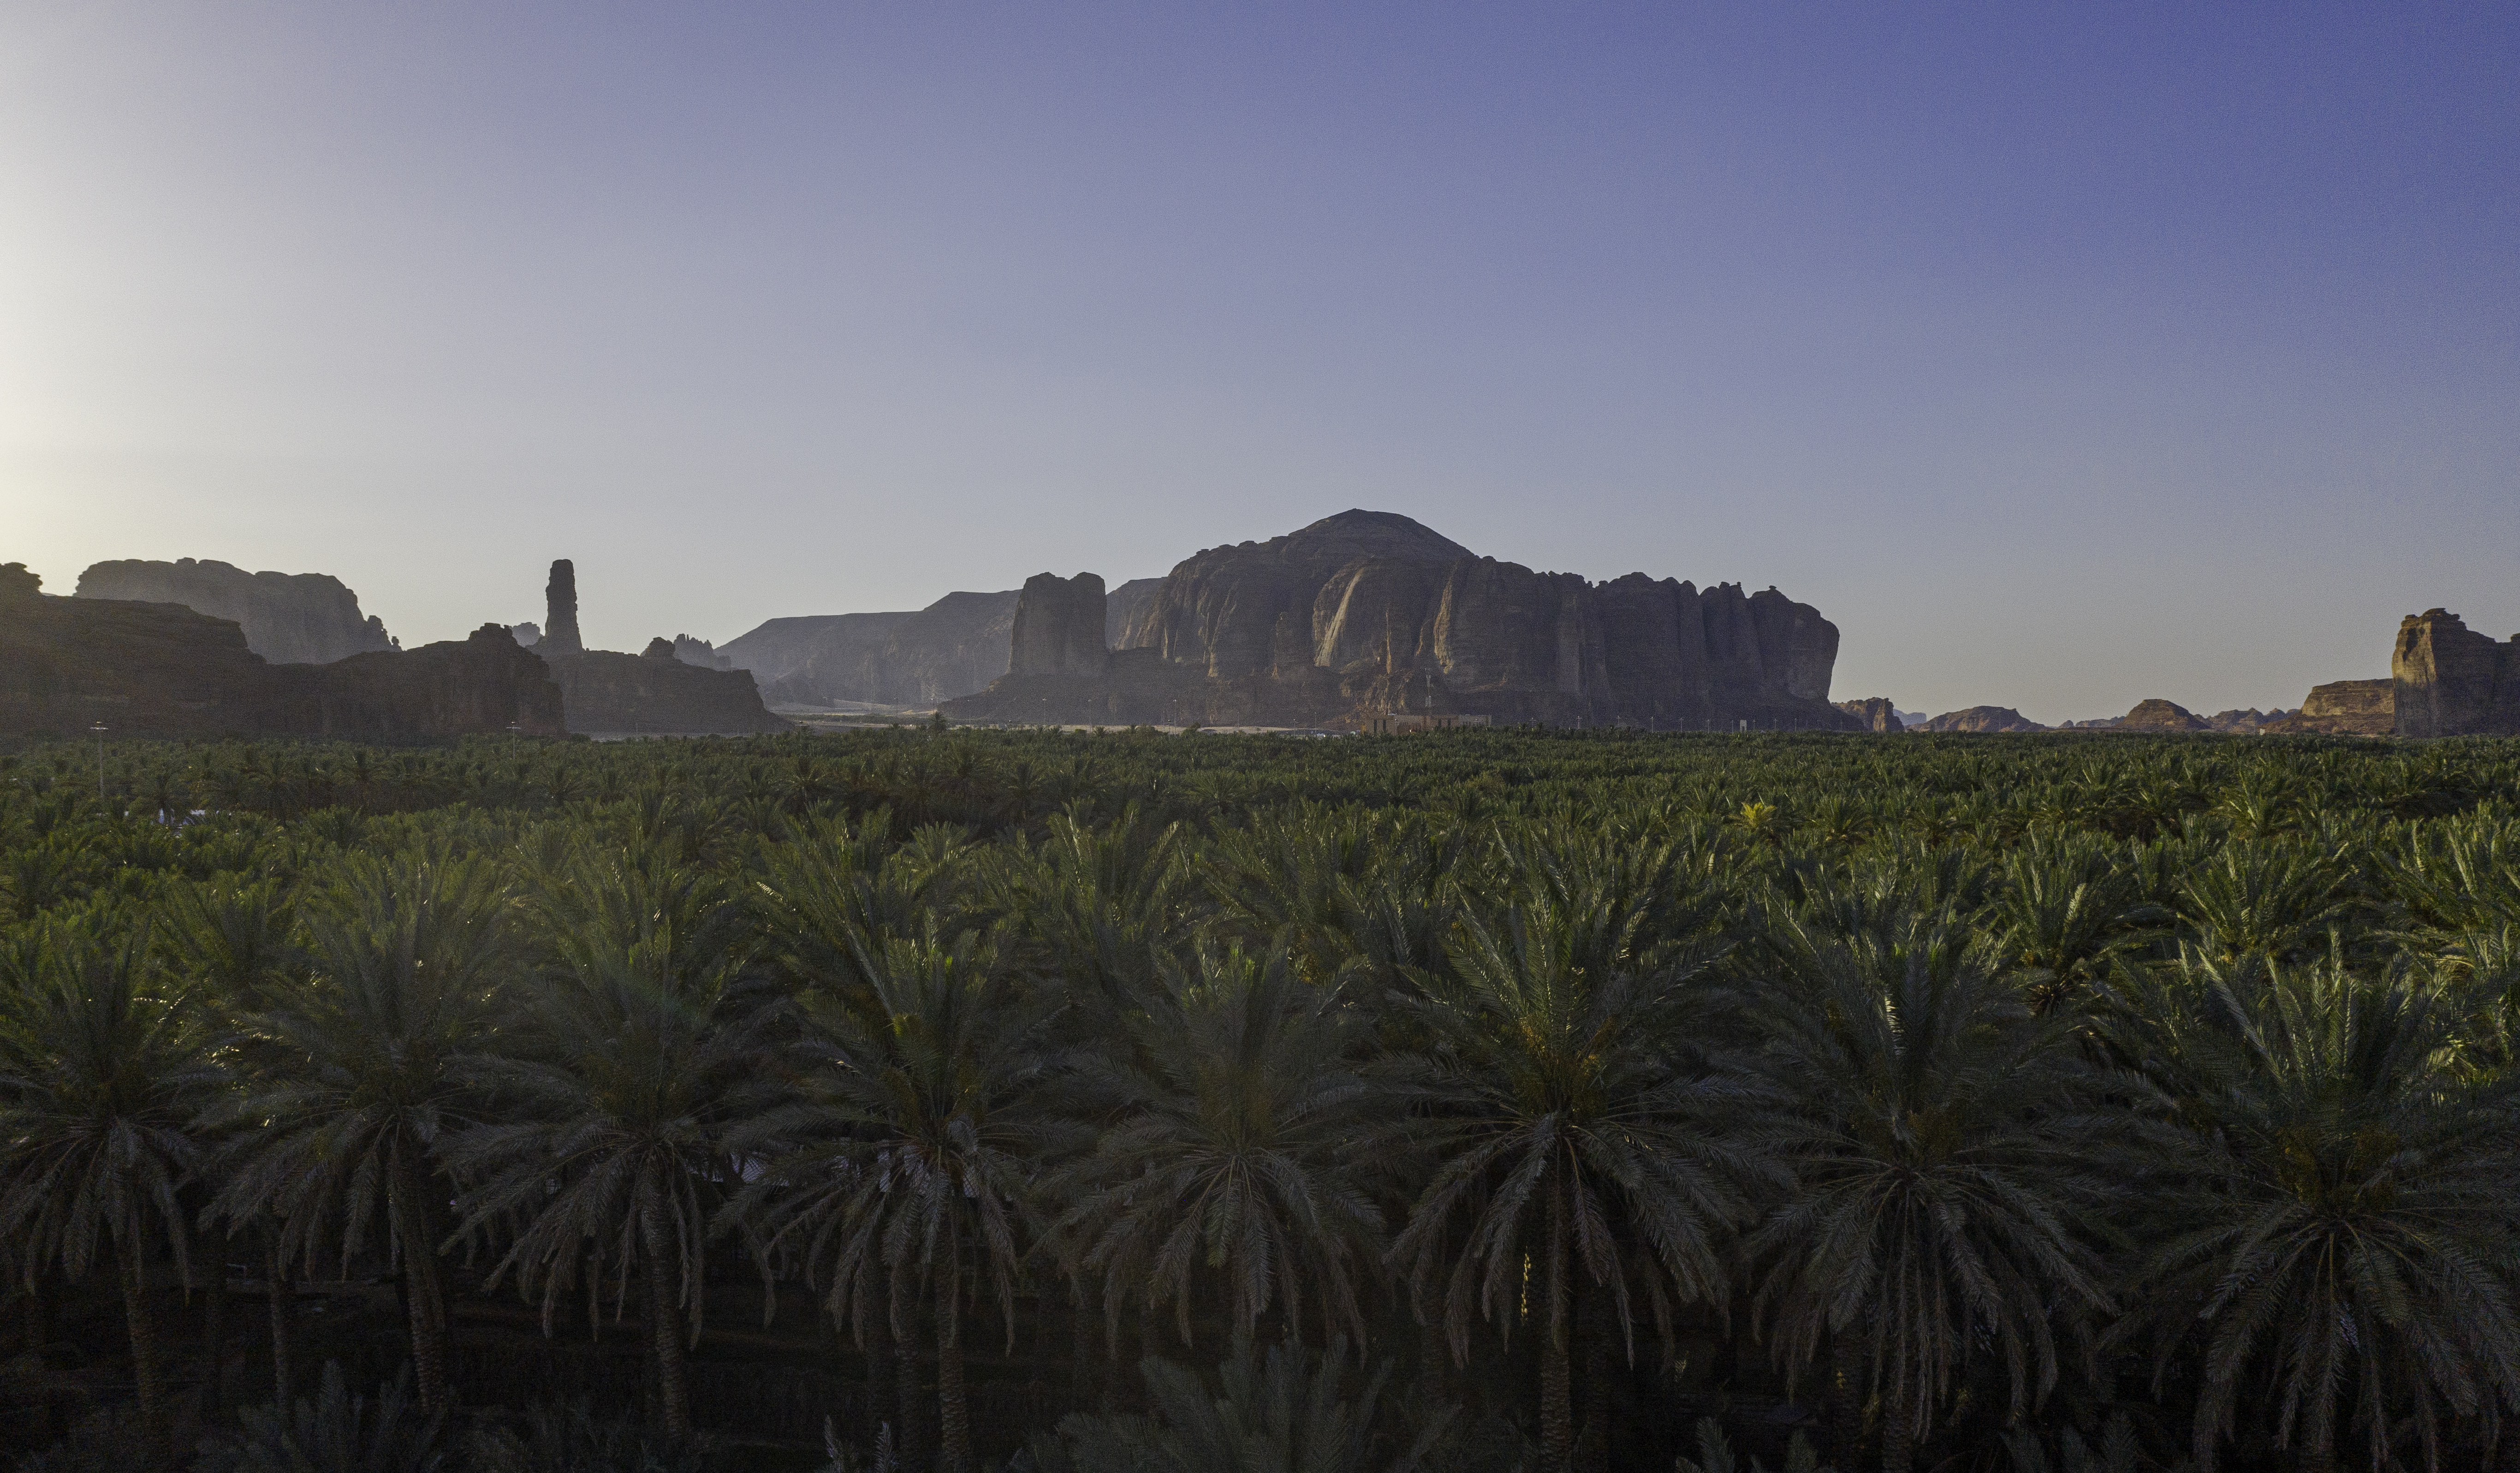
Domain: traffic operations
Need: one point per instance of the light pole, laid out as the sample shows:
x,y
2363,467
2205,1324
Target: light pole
x,y
100,728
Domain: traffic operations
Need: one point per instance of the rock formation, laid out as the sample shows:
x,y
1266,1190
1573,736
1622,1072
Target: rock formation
x,y
1059,627
2158,715
560,604
2245,723
151,669
954,646
528,634
700,653
1368,614
652,693
2341,708
287,618
1124,607
1982,719
1877,714
2450,681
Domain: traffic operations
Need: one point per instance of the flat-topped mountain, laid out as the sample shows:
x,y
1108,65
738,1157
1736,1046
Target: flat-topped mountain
x,y
1367,616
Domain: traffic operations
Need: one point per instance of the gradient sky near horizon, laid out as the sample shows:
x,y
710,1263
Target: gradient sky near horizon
x,y
2064,355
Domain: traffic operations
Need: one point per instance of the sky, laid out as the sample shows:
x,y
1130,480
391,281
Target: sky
x,y
2063,356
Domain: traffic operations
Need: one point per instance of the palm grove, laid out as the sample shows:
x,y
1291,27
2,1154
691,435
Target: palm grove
x,y
927,1099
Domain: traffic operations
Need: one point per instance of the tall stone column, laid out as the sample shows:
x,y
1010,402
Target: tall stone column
x,y
560,602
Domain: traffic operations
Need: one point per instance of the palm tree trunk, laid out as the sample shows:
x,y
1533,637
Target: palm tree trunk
x,y
665,1326
131,1258
215,1325
953,1402
1898,1432
1556,1399
1593,1331
1845,1401
423,1296
909,1439
282,1301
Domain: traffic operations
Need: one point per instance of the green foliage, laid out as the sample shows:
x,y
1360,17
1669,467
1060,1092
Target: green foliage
x,y
1940,1085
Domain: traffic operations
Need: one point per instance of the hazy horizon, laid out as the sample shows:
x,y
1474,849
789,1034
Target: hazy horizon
x,y
2062,359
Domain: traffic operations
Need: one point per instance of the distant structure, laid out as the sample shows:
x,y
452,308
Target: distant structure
x,y
559,606
287,618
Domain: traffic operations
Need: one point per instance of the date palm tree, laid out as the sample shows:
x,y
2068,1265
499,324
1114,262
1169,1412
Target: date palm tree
x,y
2334,1253
101,1075
615,1083
1946,1201
1565,1118
896,1159
357,1079
1238,1169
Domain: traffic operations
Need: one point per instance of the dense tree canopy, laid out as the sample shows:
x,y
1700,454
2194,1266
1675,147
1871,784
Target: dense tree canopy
x,y
931,1099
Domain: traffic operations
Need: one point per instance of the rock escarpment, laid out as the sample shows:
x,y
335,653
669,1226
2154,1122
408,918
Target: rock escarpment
x,y
1368,613
2450,681
287,618
1877,714
146,669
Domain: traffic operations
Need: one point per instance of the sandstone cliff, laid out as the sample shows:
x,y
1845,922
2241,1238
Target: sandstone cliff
x,y
2450,681
2342,708
2157,715
1369,612
1877,714
287,618
1060,626
560,606
164,670
1982,719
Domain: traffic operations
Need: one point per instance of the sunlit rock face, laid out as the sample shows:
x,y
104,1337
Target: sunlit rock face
x,y
1370,612
2450,681
287,618
1875,713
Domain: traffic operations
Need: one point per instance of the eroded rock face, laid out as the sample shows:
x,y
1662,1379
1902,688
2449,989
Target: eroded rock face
x,y
607,692
1060,626
1370,612
2450,681
559,605
1982,719
287,618
1878,714
154,669
2157,715
2341,708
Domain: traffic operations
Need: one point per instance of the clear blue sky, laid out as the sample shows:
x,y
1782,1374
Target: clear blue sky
x,y
2064,355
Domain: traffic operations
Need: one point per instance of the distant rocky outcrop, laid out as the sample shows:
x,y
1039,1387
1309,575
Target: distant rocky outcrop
x,y
1982,719
1368,613
654,692
1877,714
2341,708
2450,681
528,634
954,646
1125,605
2248,722
156,669
287,618
1059,627
560,604
699,652
2158,715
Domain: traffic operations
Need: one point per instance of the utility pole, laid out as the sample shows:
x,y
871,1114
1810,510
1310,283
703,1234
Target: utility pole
x,y
100,728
